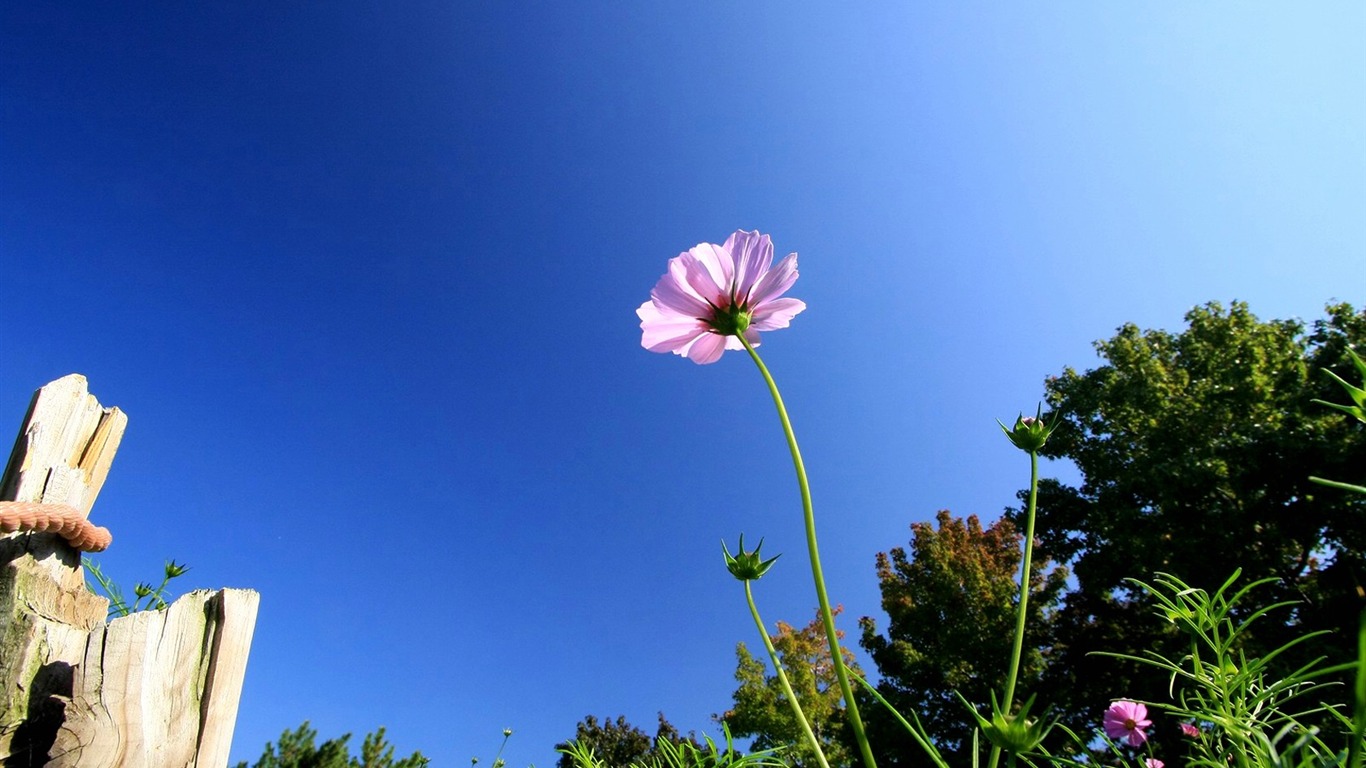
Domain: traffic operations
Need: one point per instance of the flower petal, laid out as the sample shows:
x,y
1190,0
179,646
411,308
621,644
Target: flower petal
x,y
775,282
664,331
673,292
707,348
776,314
751,333
752,254
710,271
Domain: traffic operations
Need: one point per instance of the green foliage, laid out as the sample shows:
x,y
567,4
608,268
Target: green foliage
x,y
951,607
297,750
1357,411
1195,451
118,606
674,754
618,744
1358,408
761,709
1246,715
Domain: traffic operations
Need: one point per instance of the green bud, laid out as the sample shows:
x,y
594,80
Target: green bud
x,y
747,566
142,590
731,322
1030,432
1183,618
1016,734
507,732
173,569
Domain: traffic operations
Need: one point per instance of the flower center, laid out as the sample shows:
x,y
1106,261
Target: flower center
x,y
730,321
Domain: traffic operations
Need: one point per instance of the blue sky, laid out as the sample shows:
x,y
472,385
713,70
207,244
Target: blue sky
x,y
363,276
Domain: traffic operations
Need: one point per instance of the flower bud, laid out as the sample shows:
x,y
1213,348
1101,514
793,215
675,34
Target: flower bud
x,y
747,566
1030,432
1015,734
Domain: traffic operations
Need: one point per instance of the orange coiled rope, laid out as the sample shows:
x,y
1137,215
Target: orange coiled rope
x,y
61,519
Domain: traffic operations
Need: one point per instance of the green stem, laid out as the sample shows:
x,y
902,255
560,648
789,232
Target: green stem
x,y
782,679
827,616
1013,671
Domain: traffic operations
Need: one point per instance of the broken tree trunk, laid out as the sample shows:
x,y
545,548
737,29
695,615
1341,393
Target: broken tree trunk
x,y
155,689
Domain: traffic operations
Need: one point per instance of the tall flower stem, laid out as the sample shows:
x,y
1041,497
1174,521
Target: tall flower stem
x,y
809,515
1013,671
782,678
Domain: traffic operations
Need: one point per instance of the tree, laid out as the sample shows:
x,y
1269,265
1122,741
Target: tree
x,y
1195,451
618,744
761,708
951,607
297,750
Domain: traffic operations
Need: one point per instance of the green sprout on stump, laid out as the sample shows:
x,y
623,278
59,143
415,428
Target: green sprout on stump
x,y
155,596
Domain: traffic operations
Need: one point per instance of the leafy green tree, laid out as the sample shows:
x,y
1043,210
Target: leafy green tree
x,y
951,605
1195,451
761,709
618,744
297,750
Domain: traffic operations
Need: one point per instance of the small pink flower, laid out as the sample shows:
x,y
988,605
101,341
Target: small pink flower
x,y
713,293
1189,730
1127,719
1153,762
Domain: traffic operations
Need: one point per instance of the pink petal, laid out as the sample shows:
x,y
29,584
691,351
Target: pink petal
x,y
752,253
751,333
678,296
675,339
719,272
776,314
678,269
707,348
704,279
775,282
665,332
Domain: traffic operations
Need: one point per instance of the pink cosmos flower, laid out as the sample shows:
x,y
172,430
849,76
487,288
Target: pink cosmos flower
x,y
1153,762
1127,719
713,293
1189,730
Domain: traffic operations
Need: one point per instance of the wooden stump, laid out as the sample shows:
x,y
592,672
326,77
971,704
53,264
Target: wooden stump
x,y
156,689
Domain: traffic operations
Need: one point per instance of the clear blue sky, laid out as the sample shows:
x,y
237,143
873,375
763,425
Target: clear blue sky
x,y
371,269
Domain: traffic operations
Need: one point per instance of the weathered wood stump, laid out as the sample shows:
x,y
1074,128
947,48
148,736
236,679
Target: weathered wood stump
x,y
155,689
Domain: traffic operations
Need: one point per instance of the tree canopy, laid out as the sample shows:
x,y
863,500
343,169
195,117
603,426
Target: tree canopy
x,y
1195,451
618,744
951,607
761,709
296,749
